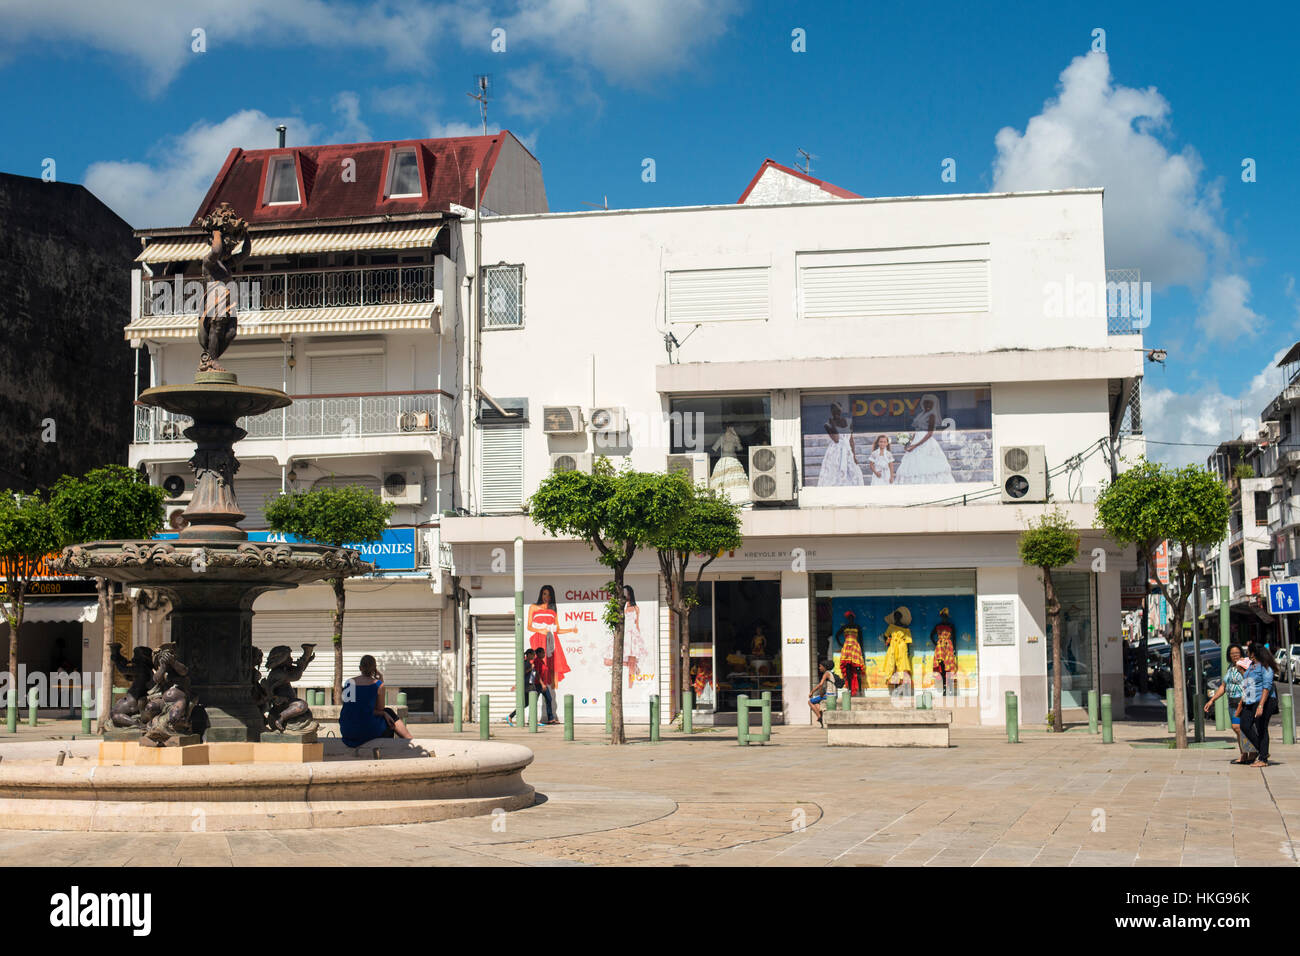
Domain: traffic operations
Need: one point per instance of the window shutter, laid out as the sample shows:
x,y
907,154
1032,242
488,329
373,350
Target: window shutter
x,y
502,469
261,372
717,295
343,374
253,494
894,288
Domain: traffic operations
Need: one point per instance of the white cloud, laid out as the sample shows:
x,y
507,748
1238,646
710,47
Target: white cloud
x,y
347,106
1224,315
1160,217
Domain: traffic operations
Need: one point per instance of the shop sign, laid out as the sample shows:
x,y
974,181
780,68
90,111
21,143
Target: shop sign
x,y
999,620
395,551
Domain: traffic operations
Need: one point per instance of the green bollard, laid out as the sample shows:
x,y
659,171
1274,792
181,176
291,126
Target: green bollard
x,y
833,702
1288,728
688,716
401,699
532,711
1013,718
927,701
609,715
1221,714
87,705
33,696
1092,711
1169,707
484,731
457,711
654,718
568,716
846,700
767,715
11,708
742,720
1107,731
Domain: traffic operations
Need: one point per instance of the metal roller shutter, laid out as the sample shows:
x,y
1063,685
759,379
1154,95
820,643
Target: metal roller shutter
x,y
262,372
406,644
717,295
501,471
344,374
494,662
253,494
900,288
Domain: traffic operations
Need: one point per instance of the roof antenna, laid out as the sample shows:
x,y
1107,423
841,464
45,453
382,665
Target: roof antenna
x,y
481,97
807,160
593,205
280,129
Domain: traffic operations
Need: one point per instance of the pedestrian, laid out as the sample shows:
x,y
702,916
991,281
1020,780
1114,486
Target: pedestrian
x,y
530,683
1231,687
824,690
1258,700
541,663
363,716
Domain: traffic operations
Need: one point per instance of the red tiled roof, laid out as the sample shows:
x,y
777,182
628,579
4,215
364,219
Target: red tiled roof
x,y
821,183
446,169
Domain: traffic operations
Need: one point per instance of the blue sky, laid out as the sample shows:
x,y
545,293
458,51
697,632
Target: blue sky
x,y
116,96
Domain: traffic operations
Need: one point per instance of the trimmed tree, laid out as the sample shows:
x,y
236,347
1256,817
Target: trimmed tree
x,y
29,530
615,513
338,517
709,525
107,504
1188,507
1051,542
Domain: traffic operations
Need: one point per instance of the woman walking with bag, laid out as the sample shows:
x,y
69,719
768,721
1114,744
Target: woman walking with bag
x,y
1231,686
1258,699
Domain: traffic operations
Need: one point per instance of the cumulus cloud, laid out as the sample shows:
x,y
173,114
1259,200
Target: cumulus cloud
x,y
347,107
1224,315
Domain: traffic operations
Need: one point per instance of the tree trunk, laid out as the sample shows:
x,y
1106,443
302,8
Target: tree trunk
x,y
103,589
1176,659
684,660
616,665
340,601
1054,618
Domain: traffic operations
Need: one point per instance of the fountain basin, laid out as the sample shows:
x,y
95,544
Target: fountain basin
x,y
465,778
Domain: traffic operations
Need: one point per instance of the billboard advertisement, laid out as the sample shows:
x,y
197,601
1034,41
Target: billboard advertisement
x,y
395,551
935,437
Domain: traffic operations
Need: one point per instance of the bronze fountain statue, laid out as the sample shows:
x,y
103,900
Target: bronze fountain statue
x,y
219,323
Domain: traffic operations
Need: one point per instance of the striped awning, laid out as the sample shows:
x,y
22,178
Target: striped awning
x,y
417,316
302,242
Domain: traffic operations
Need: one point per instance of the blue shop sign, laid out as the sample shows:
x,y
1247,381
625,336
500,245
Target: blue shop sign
x,y
395,551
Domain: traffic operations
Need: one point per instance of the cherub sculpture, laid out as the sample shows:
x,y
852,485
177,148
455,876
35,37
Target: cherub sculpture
x,y
139,671
284,711
171,702
230,245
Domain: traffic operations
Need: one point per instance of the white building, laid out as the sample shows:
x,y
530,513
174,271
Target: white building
x,y
975,324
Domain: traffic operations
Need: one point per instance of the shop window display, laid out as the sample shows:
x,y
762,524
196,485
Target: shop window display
x,y
736,643
726,428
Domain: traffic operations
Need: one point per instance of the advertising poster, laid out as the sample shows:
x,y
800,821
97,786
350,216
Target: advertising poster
x,y
938,437
578,646
916,627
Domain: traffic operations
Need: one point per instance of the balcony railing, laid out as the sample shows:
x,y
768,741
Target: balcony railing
x,y
1278,455
318,416
301,289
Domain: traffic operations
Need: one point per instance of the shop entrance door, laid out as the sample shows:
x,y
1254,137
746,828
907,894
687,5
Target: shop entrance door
x,y
747,641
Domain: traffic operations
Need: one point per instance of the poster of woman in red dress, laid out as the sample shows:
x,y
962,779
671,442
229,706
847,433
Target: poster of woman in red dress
x,y
543,626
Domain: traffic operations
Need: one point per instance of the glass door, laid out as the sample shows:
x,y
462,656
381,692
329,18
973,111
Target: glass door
x,y
700,649
1074,591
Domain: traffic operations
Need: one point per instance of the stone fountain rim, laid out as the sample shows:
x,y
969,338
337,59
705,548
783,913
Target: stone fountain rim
x,y
214,388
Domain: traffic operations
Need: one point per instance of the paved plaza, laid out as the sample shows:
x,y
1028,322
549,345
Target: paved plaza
x,y
1052,800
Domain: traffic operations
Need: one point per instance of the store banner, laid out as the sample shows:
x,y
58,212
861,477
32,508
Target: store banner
x,y
902,638
395,551
897,438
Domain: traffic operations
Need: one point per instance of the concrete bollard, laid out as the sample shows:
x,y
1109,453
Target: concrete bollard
x,y
1288,711
1169,707
484,731
1092,711
767,715
1013,718
457,711
654,718
87,707
532,711
11,708
742,720
568,716
33,701
846,700
688,715
1107,731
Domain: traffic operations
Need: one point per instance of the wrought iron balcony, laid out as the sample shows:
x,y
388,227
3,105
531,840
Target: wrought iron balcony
x,y
299,289
319,416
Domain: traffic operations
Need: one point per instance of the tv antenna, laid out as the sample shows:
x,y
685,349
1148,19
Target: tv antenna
x,y
481,81
600,205
807,159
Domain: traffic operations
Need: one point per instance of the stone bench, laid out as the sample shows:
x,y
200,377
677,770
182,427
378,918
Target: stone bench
x,y
887,727
330,712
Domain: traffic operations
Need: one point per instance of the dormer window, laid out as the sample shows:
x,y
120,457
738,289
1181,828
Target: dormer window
x,y
403,174
282,182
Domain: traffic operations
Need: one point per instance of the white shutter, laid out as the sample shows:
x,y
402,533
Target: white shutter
x,y
406,644
893,288
252,494
262,372
717,295
494,663
501,469
343,374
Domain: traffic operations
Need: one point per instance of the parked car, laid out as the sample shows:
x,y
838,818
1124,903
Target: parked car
x,y
1292,668
1161,676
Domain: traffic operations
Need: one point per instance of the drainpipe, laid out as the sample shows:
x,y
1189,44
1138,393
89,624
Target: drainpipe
x,y
476,366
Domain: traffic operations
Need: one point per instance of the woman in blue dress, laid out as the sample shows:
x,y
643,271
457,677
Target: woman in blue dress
x,y
363,716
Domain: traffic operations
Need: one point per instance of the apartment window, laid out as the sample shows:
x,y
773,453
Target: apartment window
x,y
503,297
403,174
281,182
1261,508
725,428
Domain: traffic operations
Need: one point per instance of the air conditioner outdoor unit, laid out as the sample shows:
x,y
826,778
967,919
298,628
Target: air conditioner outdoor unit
x,y
176,518
561,420
771,473
175,487
416,422
694,464
1024,473
610,419
571,461
404,487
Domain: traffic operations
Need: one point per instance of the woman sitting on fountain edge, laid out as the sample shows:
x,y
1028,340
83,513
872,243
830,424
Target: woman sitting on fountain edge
x,y
363,716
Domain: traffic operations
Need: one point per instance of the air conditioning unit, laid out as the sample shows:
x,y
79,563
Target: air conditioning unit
x,y
561,419
176,488
1024,473
771,473
176,519
571,461
171,430
404,487
694,464
612,419
416,422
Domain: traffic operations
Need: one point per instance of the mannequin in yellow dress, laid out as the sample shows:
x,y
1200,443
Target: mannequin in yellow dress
x,y
898,654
